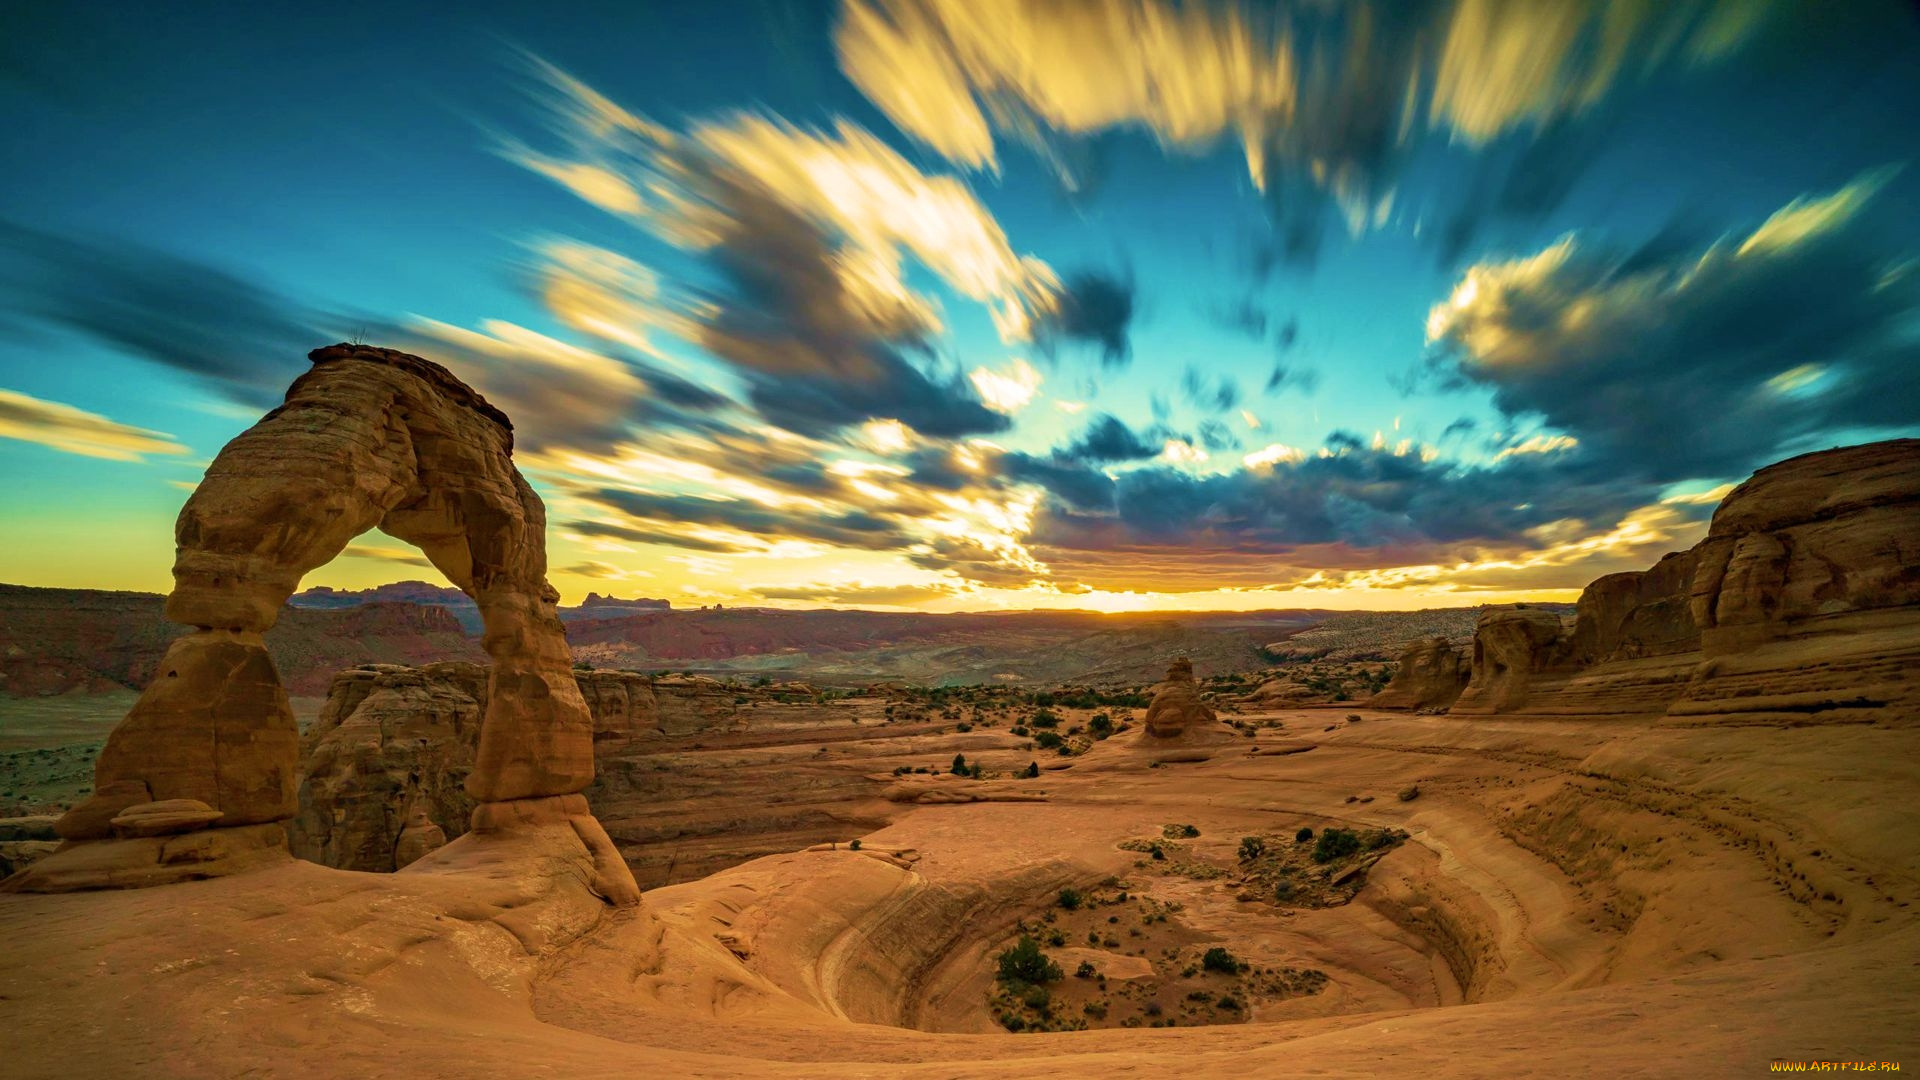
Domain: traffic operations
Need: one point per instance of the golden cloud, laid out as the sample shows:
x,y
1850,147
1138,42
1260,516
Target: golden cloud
x,y
76,431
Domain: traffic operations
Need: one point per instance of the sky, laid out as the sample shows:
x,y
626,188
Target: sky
x,y
976,304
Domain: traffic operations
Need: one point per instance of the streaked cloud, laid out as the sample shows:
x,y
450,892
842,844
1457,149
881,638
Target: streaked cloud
x,y
76,431
1704,363
1008,389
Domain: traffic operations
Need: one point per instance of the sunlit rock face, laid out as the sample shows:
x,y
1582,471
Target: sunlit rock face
x,y
367,438
1803,599
1176,708
1431,675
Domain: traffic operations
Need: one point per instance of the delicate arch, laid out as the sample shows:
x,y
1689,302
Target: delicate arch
x,y
369,438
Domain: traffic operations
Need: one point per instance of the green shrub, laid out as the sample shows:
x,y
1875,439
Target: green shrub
x,y
1071,899
1335,844
1101,725
1024,962
1045,718
853,845
1251,848
1305,835
1037,998
1085,970
1049,740
959,765
1019,731
1219,959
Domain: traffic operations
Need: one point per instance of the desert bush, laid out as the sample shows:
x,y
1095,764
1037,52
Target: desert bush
x,y
853,845
1048,740
1071,899
959,765
1085,970
1305,835
1229,1002
1219,959
1024,962
1033,770
1101,725
1335,844
1037,998
1045,718
1019,731
1251,848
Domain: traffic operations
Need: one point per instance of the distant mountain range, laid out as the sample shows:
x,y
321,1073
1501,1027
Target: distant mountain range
x,y
56,640
323,598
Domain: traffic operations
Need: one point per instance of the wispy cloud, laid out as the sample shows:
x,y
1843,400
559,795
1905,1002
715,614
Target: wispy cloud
x,y
76,431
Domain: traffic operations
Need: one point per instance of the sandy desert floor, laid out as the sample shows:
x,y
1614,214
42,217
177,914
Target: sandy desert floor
x,y
1574,897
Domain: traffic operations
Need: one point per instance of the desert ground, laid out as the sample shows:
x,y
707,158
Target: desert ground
x,y
1575,896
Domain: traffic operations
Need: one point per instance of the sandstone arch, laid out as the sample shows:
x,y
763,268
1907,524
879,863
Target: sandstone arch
x,y
368,438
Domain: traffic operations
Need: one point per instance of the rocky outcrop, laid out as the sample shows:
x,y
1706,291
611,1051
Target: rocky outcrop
x,y
367,438
386,762
1176,708
1512,647
1802,604
1431,675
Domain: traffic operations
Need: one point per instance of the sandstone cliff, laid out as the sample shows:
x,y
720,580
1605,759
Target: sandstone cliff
x,y
1802,603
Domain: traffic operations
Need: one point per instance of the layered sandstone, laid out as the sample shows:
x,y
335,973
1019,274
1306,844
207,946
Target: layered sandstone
x,y
1802,602
1176,708
1431,675
367,438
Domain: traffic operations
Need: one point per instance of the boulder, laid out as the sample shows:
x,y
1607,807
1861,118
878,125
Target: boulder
x,y
1431,675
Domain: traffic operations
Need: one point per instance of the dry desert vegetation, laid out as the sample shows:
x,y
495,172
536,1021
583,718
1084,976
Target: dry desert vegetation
x,y
1672,832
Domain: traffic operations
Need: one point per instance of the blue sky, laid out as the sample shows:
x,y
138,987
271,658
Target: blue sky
x,y
903,302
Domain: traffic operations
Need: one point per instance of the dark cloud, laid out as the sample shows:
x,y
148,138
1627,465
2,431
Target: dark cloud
x,y
1286,335
1291,376
1354,509
1217,438
1094,308
1702,363
245,341
1216,395
973,561
1242,317
816,358
850,528
1107,439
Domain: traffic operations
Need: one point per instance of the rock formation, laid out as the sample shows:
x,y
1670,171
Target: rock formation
x,y
1510,647
1431,675
1176,708
388,756
366,438
1803,600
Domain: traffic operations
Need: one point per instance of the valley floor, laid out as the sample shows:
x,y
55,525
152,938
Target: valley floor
x,y
1574,897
